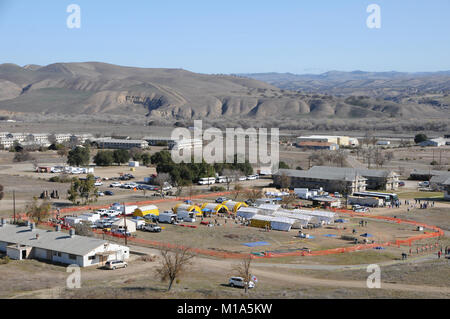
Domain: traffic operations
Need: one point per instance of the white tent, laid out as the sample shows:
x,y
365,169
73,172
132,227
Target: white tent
x,y
301,220
247,212
320,215
268,209
120,225
276,223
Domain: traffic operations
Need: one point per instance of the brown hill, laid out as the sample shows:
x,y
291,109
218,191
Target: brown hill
x,y
97,88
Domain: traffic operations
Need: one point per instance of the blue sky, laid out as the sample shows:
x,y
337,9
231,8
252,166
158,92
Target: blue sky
x,y
231,36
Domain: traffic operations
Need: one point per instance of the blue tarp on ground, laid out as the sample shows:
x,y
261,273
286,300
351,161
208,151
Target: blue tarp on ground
x,y
330,235
379,247
340,220
257,243
367,235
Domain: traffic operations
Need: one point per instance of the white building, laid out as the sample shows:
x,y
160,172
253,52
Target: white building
x,y
122,144
7,143
28,242
187,144
62,138
339,140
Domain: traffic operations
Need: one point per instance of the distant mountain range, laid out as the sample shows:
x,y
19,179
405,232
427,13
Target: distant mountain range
x,y
100,88
376,84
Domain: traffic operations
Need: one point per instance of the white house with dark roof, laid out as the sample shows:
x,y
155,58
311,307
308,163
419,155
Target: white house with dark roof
x,y
29,242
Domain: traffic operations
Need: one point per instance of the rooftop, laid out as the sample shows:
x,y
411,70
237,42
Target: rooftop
x,y
353,171
322,174
50,240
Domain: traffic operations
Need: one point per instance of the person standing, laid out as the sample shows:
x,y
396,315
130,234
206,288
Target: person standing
x,y
439,254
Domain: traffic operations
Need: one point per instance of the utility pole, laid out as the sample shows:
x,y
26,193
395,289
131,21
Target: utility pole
x,y
14,205
125,223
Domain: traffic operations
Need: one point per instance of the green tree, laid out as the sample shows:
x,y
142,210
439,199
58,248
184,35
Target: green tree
x,y
283,165
146,159
419,138
104,158
84,189
121,156
79,156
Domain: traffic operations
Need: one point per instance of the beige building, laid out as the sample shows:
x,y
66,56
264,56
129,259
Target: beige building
x,y
339,140
330,181
377,179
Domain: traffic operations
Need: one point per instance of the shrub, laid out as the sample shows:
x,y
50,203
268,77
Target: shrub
x,y
217,189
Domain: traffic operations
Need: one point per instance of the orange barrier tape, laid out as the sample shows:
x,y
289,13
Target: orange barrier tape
x,y
209,252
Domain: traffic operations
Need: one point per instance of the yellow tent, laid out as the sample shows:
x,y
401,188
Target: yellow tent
x,y
145,210
189,208
234,206
215,208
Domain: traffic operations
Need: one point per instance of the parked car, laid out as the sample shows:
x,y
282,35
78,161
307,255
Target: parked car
x,y
100,194
239,282
109,193
153,228
115,264
122,232
424,184
115,184
220,200
98,183
401,184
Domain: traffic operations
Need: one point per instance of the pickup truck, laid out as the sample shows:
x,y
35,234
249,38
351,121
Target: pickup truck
x,y
153,228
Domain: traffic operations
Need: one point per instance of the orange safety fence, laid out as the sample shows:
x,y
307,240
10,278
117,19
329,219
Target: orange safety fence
x,y
219,254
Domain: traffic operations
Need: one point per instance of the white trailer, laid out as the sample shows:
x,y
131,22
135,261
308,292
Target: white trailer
x,y
128,210
90,217
167,217
186,216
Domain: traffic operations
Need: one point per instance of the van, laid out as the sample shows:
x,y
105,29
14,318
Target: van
x,y
115,264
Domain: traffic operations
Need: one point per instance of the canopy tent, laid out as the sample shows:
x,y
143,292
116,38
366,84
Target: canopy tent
x,y
275,223
319,215
188,208
268,209
233,206
146,210
247,212
301,220
214,208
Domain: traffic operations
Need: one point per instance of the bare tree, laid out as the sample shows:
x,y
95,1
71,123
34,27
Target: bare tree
x,y
237,191
232,175
285,181
38,211
253,194
173,264
243,269
161,180
287,200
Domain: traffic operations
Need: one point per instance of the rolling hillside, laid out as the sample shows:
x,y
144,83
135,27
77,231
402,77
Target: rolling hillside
x,y
99,88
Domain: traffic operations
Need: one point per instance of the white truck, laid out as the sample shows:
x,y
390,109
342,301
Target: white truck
x,y
128,210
